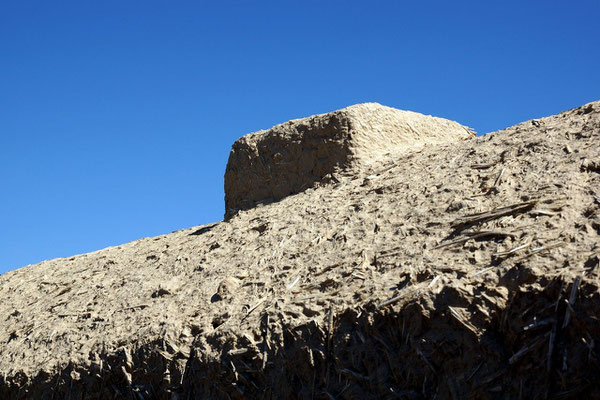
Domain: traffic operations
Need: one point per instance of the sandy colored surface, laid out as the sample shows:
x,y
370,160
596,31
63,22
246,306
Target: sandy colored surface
x,y
458,270
266,166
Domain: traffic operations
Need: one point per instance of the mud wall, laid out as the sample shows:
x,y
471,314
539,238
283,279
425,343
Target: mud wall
x,y
267,166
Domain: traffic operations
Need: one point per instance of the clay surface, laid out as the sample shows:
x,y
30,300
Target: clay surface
x,y
458,270
267,166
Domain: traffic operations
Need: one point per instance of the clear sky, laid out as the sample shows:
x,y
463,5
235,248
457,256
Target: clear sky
x,y
116,117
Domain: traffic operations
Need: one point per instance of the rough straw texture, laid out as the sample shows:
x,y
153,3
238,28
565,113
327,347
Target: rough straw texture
x,y
460,270
266,166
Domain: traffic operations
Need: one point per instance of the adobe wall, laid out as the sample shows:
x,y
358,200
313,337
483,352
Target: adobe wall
x,y
269,165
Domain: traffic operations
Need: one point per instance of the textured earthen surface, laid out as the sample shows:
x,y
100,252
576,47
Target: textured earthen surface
x,y
464,270
265,166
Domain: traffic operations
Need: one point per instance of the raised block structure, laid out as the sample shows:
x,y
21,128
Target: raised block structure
x,y
269,165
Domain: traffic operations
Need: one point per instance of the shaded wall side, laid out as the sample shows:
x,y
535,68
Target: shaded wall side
x,y
287,159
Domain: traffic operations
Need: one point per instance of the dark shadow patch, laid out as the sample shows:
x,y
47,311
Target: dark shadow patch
x,y
203,230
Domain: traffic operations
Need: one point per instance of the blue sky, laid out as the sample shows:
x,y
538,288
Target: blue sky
x,y
116,117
